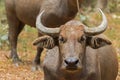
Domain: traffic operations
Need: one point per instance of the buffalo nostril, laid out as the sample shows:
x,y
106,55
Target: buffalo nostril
x,y
71,61
76,61
66,62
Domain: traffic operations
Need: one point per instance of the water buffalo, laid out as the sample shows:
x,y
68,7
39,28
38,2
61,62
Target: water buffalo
x,y
79,53
21,12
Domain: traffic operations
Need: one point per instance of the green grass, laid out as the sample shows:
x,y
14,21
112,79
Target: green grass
x,y
2,9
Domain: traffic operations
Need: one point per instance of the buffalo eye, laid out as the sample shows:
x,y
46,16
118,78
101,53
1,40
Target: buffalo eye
x,y
82,38
62,39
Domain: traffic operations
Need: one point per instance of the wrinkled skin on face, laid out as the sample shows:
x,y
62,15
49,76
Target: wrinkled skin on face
x,y
72,45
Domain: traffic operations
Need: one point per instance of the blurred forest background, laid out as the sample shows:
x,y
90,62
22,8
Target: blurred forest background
x,y
27,51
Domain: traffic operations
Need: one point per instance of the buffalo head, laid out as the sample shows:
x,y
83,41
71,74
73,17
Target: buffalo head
x,y
72,40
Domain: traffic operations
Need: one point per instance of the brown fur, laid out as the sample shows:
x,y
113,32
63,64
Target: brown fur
x,y
21,12
97,58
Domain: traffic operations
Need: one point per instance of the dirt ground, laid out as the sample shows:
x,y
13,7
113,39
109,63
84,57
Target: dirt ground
x,y
9,71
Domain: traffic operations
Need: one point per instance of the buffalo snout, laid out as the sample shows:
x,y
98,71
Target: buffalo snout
x,y
72,64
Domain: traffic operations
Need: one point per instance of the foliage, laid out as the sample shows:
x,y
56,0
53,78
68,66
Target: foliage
x,y
3,26
112,6
3,36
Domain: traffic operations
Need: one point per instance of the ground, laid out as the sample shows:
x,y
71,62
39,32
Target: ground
x,y
9,71
26,51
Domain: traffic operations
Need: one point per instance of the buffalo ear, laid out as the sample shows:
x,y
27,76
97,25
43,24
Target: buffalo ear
x,y
97,42
44,42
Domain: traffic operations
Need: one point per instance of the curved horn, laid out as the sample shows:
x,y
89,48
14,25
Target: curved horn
x,y
43,29
97,30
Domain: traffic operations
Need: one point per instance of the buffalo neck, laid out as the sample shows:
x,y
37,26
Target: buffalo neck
x,y
70,7
58,12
